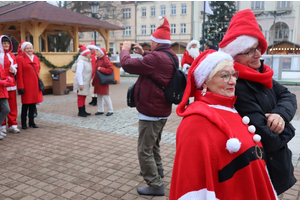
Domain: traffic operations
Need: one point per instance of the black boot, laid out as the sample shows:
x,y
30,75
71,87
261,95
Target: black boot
x,y
91,103
85,111
24,116
81,112
31,116
95,101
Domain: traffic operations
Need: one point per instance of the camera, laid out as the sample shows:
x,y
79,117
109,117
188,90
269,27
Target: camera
x,y
132,48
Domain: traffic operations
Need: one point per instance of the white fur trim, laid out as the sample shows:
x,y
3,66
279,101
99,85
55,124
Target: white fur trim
x,y
256,138
239,45
91,46
24,45
200,194
160,17
191,43
160,41
251,129
11,88
100,50
85,51
223,108
206,66
233,145
246,120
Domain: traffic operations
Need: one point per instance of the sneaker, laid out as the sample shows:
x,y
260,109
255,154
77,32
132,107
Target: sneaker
x,y
3,130
14,130
2,134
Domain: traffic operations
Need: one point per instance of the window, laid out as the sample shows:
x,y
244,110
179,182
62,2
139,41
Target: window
x,y
183,28
80,34
152,29
105,12
93,35
173,28
281,31
127,13
283,4
257,5
173,9
112,33
143,12
113,13
153,11
183,9
143,29
111,47
127,31
163,10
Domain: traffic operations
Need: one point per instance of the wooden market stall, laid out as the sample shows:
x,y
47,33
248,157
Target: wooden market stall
x,y
284,48
38,19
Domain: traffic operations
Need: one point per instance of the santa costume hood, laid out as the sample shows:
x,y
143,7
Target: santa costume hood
x,y
162,34
242,34
197,75
191,43
3,52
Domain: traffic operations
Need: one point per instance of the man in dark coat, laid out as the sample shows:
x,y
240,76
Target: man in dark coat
x,y
153,108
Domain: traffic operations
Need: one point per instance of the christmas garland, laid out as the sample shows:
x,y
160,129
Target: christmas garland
x,y
49,64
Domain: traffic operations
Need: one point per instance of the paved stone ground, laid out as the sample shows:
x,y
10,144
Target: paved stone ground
x,y
89,158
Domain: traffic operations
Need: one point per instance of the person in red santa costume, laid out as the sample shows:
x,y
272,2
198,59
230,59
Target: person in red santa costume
x,y
192,52
92,47
103,65
268,104
5,81
9,63
28,84
218,155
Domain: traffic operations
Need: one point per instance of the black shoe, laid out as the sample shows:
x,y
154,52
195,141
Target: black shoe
x,y
149,191
91,102
109,113
24,127
33,126
160,172
99,113
85,111
81,112
95,101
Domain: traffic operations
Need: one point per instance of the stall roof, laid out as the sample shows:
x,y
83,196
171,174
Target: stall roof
x,y
282,42
43,11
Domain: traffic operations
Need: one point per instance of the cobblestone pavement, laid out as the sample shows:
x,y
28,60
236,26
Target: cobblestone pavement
x,y
89,158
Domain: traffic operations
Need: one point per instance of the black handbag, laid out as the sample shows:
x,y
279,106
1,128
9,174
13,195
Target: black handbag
x,y
41,84
105,79
130,96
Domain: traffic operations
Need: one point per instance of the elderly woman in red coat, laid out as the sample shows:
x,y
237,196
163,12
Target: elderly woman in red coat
x,y
28,85
103,65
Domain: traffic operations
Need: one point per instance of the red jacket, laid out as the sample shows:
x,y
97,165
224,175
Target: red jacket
x,y
106,68
5,81
93,61
187,59
149,99
7,60
27,79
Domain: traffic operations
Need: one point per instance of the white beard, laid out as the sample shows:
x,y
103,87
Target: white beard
x,y
194,52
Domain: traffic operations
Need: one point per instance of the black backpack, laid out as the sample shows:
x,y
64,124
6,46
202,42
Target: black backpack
x,y
174,91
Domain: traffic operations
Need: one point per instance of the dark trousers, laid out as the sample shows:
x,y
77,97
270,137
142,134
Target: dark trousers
x,y
25,108
149,151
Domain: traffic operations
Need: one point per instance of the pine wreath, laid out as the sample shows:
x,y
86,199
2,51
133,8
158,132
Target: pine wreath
x,y
49,64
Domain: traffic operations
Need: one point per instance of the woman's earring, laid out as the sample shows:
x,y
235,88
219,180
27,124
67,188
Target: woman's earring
x,y
204,92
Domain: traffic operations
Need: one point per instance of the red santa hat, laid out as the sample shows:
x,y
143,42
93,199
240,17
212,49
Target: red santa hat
x,y
198,73
242,34
162,34
24,44
191,43
84,50
92,46
103,51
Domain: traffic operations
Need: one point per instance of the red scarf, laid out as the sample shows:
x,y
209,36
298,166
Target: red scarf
x,y
250,74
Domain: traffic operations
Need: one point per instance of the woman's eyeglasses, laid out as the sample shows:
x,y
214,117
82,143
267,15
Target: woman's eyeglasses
x,y
227,76
251,52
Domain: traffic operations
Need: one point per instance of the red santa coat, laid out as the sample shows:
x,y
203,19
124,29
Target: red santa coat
x,y
187,59
204,169
7,60
3,90
106,68
93,61
28,80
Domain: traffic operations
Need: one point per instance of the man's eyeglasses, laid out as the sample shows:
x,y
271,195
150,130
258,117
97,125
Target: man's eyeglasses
x,y
251,52
227,76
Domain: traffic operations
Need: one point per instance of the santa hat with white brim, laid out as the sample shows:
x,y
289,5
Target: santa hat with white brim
x,y
162,34
84,50
243,32
24,44
191,43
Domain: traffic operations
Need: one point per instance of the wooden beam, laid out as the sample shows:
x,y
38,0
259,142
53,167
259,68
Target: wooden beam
x,y
105,34
71,34
29,27
16,36
76,39
42,27
35,35
5,27
22,30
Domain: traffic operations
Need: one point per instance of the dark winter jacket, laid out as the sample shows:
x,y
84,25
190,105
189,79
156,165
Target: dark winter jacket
x,y
149,99
255,100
